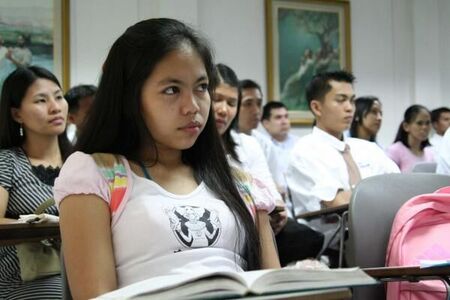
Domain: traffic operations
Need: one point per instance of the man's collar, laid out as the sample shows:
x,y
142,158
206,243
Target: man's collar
x,y
330,139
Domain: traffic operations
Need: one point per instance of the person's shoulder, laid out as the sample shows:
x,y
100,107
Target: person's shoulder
x,y
261,138
10,154
306,139
248,140
304,144
361,143
78,155
397,146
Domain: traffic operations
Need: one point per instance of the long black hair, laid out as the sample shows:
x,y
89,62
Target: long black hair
x,y
115,124
14,89
363,105
409,116
226,75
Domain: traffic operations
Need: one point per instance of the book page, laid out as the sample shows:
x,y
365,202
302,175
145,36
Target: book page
x,y
268,281
161,284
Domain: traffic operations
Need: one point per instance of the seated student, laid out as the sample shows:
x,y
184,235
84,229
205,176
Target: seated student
x,y
249,117
367,120
80,99
275,120
440,120
33,146
182,210
325,165
411,143
294,241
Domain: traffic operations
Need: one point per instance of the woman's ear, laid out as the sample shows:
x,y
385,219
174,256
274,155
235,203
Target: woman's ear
x,y
15,114
316,108
406,126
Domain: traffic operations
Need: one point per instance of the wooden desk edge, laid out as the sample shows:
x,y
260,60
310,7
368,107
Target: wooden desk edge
x,y
16,233
410,271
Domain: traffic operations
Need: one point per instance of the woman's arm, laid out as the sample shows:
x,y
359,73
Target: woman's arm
x,y
269,255
85,223
4,197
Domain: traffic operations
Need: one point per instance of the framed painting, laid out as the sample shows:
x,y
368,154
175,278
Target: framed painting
x,y
304,37
35,33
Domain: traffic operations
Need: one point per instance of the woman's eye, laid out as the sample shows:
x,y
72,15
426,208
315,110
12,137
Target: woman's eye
x,y
171,90
203,87
232,102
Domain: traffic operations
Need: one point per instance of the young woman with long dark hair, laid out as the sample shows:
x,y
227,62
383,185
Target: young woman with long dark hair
x,y
184,211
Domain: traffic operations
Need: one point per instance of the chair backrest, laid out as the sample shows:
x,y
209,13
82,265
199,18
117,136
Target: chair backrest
x,y
372,209
424,167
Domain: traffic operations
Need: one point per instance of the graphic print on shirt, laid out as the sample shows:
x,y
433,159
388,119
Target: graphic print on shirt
x,y
193,226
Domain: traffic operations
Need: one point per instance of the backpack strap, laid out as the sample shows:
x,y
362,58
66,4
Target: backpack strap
x,y
115,173
243,183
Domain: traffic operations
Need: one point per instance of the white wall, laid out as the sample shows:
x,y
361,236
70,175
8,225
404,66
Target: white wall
x,y
400,48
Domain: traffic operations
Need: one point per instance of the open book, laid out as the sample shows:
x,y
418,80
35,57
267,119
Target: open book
x,y
227,284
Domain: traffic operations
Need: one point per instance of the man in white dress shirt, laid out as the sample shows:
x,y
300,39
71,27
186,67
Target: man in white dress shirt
x,y
276,124
443,159
249,116
440,119
318,175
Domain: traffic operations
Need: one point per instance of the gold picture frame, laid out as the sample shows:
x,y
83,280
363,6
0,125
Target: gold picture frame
x,y
43,28
304,37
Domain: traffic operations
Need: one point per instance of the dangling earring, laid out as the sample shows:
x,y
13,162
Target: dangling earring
x,y
21,130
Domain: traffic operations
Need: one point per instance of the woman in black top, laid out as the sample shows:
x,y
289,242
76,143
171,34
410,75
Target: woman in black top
x,y
33,146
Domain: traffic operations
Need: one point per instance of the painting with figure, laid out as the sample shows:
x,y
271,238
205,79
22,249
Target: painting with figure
x,y
307,37
30,34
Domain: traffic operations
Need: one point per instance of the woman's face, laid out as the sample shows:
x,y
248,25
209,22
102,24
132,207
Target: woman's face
x,y
371,122
43,110
225,104
420,126
175,101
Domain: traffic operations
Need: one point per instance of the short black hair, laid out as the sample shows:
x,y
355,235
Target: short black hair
x,y
267,109
75,94
249,84
436,113
319,85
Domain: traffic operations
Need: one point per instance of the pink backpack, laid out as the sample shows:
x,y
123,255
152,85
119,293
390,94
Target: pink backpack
x,y
420,231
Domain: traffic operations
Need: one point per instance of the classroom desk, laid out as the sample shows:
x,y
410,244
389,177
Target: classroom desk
x,y
15,233
414,273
